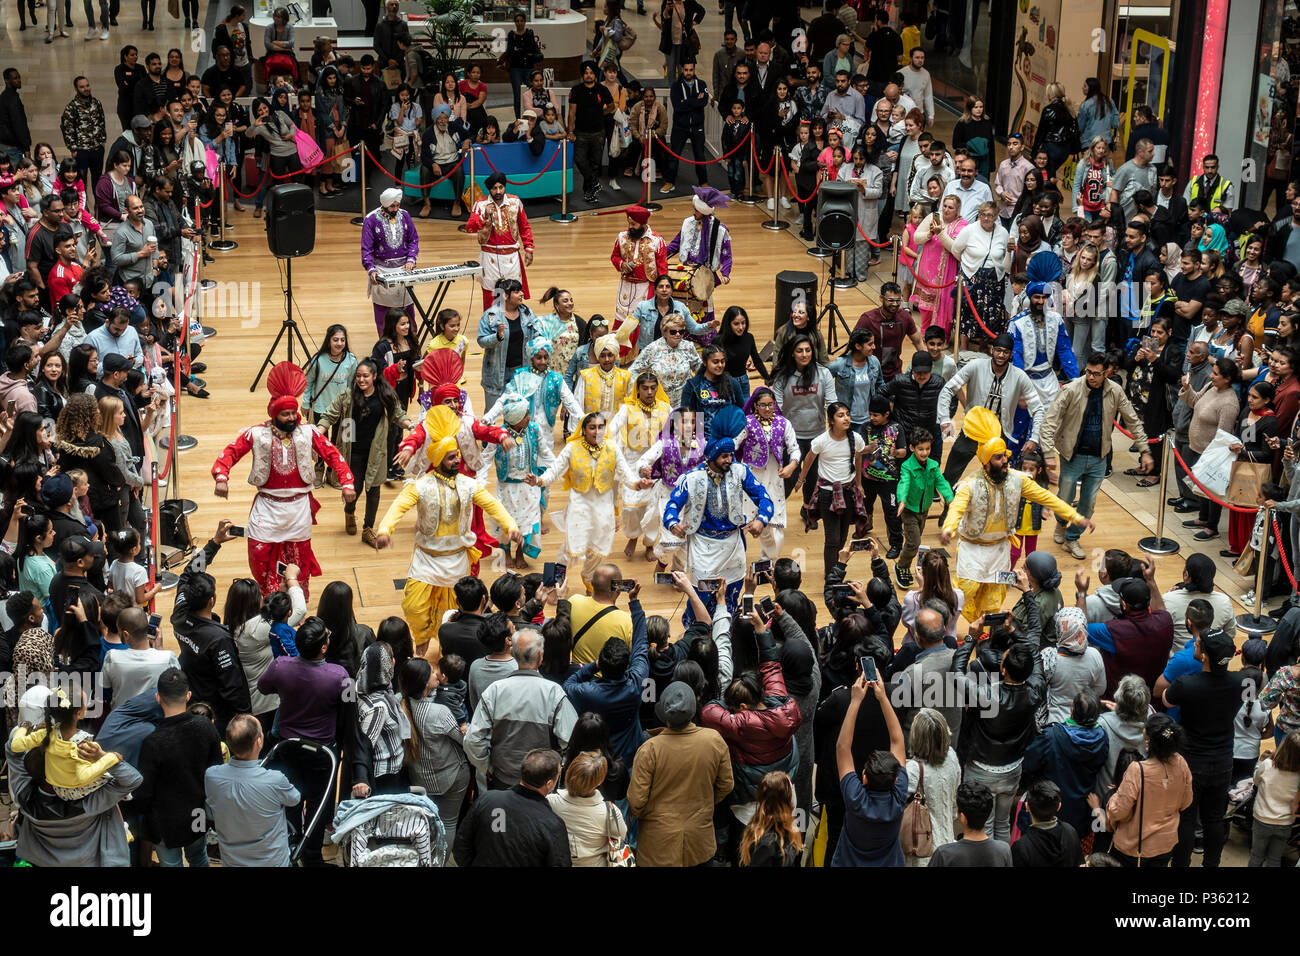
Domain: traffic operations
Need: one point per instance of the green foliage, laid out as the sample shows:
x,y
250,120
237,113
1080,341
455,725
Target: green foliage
x,y
449,33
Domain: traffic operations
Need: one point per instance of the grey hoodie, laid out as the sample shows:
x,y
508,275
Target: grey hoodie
x,y
1119,735
1103,604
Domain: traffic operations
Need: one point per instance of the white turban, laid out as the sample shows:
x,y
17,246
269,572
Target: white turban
x,y
390,196
703,208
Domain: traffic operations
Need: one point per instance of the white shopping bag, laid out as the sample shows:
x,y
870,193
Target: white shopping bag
x,y
1214,468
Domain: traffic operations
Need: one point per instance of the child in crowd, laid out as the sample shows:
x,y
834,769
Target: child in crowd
x,y
734,130
75,766
124,574
907,251
1252,721
204,710
1018,300
447,335
885,451
81,500
1277,793
452,687
276,610
918,480
113,605
550,125
1031,514
945,366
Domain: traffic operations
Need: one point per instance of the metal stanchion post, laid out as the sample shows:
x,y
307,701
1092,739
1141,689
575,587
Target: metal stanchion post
x,y
221,243
1257,622
162,577
1160,544
204,282
463,227
749,198
956,317
896,242
843,280
361,159
647,167
208,331
776,223
564,216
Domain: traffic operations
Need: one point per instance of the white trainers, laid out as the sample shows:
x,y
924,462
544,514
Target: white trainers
x,y
92,35
771,205
1075,550
785,203
613,184
103,34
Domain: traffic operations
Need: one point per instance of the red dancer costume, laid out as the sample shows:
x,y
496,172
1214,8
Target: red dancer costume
x,y
284,450
640,256
505,239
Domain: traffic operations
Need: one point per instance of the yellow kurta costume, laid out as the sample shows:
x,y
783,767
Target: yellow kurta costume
x,y
599,391
984,514
444,540
635,428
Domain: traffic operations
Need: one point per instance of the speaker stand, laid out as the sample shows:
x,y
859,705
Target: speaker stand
x,y
831,312
288,329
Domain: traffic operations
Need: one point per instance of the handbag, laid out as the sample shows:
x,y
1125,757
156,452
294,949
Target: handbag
x,y
618,853
628,38
1244,483
916,833
392,77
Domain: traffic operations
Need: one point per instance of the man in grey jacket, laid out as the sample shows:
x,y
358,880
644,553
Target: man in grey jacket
x,y
518,714
132,252
997,385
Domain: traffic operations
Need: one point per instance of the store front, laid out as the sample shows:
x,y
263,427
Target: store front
x,y
1270,139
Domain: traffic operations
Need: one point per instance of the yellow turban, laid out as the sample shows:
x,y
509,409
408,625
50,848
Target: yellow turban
x,y
985,429
440,426
440,449
607,343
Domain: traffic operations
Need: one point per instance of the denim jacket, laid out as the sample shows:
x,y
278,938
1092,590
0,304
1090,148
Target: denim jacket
x,y
494,350
844,371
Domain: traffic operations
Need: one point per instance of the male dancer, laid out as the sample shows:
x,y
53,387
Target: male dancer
x,y
505,240
284,449
389,243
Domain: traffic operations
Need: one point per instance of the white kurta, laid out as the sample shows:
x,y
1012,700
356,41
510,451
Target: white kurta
x,y
641,440
770,478
590,517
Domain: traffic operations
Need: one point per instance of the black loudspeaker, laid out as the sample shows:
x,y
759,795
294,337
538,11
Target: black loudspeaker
x,y
837,214
790,287
174,525
290,220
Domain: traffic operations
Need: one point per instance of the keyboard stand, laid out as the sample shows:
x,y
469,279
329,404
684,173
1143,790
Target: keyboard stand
x,y
427,315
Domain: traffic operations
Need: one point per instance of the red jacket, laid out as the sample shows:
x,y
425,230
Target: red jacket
x,y
758,737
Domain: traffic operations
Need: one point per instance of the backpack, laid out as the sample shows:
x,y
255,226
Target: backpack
x,y
916,832
428,68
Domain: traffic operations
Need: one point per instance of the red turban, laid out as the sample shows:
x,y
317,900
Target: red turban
x,y
444,392
638,214
286,383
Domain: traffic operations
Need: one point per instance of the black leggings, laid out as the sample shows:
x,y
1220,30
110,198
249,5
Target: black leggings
x,y
358,466
31,7
147,10
835,525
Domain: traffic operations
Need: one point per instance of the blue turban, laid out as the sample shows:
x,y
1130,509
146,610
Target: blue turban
x,y
727,423
1043,266
719,446
1040,288
442,109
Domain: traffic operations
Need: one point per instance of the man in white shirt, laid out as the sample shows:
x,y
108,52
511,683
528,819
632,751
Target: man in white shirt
x,y
917,84
134,670
844,102
934,160
971,191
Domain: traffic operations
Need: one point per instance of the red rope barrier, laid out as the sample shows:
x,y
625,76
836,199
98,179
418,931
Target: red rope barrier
x,y
871,242
405,185
704,162
523,182
794,193
770,165
938,288
256,189
1286,565
1206,491
975,312
1129,435
313,167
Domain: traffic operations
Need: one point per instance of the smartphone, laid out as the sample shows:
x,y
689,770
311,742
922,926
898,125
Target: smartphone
x,y
860,544
747,604
841,591
869,668
1007,577
767,606
235,531
664,577
626,585
561,571
10,407
995,620
154,621
1149,343
548,574
709,584
761,568
920,550
280,567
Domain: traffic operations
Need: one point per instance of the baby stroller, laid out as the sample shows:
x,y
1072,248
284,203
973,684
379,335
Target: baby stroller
x,y
1241,812
303,819
398,829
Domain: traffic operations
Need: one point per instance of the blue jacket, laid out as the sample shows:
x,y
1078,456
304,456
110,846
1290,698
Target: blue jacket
x,y
618,701
128,724
495,350
843,369
1069,755
688,112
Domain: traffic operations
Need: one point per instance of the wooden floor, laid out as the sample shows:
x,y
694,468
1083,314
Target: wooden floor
x,y
329,286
